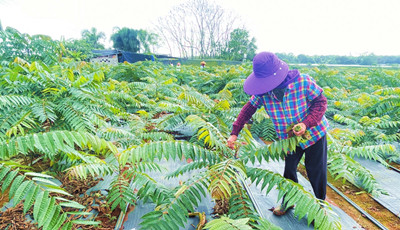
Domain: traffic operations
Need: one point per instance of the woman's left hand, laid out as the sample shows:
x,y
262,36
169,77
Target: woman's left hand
x,y
301,129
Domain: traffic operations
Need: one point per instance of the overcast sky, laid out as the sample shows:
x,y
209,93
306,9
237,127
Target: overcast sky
x,y
341,27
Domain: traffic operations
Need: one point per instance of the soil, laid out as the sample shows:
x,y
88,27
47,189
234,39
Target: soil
x,y
160,114
221,207
394,165
3,198
94,201
363,200
14,219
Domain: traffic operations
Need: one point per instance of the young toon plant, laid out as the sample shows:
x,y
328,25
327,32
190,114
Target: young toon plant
x,y
303,138
35,194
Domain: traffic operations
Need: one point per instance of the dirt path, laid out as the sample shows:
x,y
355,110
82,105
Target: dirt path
x,y
362,199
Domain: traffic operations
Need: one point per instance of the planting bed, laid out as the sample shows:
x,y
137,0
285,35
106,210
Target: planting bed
x,y
90,193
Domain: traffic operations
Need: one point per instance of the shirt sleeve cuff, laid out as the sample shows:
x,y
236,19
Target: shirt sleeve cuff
x,y
235,130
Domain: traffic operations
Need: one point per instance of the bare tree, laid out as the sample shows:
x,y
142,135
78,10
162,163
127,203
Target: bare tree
x,y
197,28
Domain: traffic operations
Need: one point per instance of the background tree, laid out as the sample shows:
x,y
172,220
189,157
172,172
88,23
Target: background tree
x,y
305,59
240,46
126,39
148,41
14,44
93,37
287,57
369,59
79,49
1,27
196,28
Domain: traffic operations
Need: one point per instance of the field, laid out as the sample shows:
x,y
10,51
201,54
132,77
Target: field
x,y
72,126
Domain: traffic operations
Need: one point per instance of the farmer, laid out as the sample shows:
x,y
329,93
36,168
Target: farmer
x,y
202,64
289,98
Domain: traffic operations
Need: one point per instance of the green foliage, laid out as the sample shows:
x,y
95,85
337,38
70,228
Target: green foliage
x,y
168,149
306,203
222,178
47,101
149,189
341,165
77,49
263,224
121,194
227,223
240,205
99,168
174,214
52,143
365,59
363,140
147,40
73,114
35,193
207,132
388,104
348,121
240,223
274,151
92,37
126,39
240,46
14,44
264,129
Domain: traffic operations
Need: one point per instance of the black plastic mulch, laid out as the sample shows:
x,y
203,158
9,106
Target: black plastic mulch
x,y
388,180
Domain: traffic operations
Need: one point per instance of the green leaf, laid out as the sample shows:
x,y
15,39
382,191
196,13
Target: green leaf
x,y
39,179
37,175
30,197
8,180
72,204
19,194
51,221
4,171
67,226
57,190
80,213
15,185
60,221
41,200
86,222
45,212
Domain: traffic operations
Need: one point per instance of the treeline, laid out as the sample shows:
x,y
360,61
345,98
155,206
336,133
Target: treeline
x,y
43,48
369,59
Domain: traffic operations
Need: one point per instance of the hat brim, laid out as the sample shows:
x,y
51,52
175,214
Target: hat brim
x,y
259,85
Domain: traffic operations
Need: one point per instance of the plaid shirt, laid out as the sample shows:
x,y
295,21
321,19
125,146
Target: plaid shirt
x,y
293,108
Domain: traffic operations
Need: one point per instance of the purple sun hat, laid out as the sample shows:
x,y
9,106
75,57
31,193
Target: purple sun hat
x,y
268,72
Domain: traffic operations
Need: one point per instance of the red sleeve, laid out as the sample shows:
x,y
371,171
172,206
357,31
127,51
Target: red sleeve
x,y
316,111
244,116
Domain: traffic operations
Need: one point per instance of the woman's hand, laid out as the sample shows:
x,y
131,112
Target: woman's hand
x,y
299,129
231,142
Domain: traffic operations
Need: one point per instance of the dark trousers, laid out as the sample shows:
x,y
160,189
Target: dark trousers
x,y
316,166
